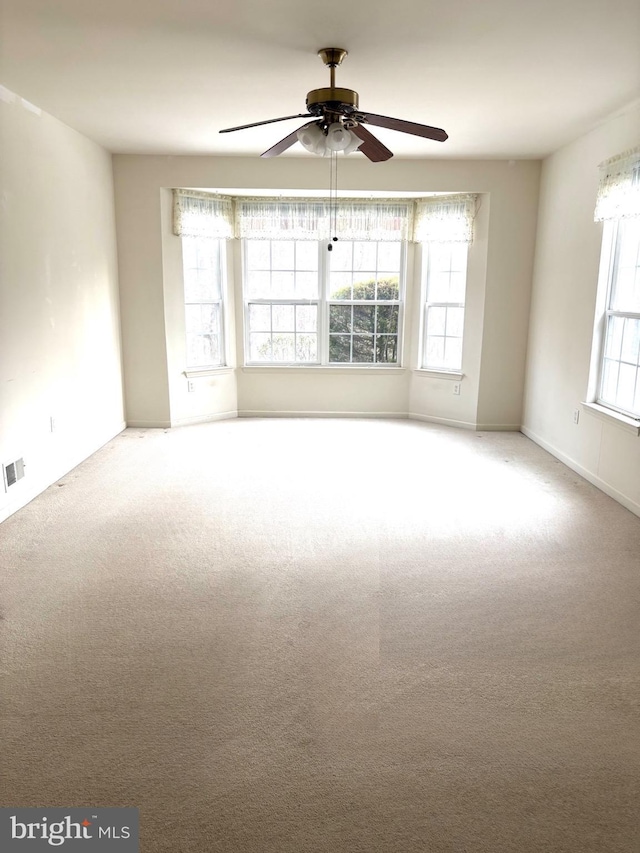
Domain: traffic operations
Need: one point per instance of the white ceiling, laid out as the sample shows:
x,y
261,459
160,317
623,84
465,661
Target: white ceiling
x,y
505,78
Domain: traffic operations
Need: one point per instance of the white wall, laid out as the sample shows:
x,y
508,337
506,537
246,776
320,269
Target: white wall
x,y
562,315
499,275
59,323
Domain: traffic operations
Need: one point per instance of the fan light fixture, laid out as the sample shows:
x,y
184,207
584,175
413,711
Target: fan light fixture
x,y
337,138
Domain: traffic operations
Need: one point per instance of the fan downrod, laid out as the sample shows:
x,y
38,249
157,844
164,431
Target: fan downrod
x,y
332,100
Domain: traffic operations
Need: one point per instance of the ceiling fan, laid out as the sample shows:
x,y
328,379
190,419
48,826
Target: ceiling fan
x,y
338,123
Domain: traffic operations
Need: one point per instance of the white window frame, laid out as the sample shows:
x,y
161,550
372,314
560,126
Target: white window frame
x,y
608,270
426,305
221,302
324,303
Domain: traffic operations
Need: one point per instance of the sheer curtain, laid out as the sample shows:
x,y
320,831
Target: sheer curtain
x,y
445,219
619,189
310,219
198,214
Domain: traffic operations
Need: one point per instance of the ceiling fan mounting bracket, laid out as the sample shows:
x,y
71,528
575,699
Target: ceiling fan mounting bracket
x,y
332,56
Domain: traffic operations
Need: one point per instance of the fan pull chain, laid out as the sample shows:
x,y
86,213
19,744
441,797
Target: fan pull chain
x,y
333,199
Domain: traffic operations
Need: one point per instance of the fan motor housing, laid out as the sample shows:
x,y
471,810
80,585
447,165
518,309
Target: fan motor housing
x,y
342,101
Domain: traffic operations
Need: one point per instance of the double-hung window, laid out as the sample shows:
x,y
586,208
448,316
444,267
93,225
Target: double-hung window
x,y
204,275
305,305
444,274
444,227
282,300
619,385
617,336
364,302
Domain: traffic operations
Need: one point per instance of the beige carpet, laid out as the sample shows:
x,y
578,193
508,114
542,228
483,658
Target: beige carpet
x,y
323,636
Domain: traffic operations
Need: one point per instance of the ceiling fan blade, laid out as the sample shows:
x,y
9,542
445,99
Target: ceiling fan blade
x,y
268,121
405,126
371,147
285,143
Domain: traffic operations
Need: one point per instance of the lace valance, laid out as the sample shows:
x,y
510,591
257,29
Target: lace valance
x,y
445,219
619,189
199,214
438,219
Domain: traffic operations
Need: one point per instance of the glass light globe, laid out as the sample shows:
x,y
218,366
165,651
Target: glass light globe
x,y
338,137
312,138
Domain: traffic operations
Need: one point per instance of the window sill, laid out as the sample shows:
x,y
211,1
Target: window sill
x,y
320,368
625,422
439,374
194,372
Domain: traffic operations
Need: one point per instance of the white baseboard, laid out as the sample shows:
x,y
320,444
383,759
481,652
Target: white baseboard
x,y
205,419
258,413
149,424
605,487
30,490
441,421
497,427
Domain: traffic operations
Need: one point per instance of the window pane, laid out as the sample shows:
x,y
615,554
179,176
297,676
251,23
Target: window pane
x,y
459,257
260,318
341,285
387,316
615,328
453,353
306,347
340,318
436,321
306,318
631,340
626,386
626,284
283,347
609,380
363,348
439,256
282,255
258,255
306,255
339,348
364,256
387,348
283,318
202,350
365,286
457,284
259,284
455,319
435,352
283,285
364,318
260,346
341,257
388,288
438,290
389,257
306,285
192,318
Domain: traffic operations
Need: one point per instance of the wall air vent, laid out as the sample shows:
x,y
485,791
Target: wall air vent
x,y
13,472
